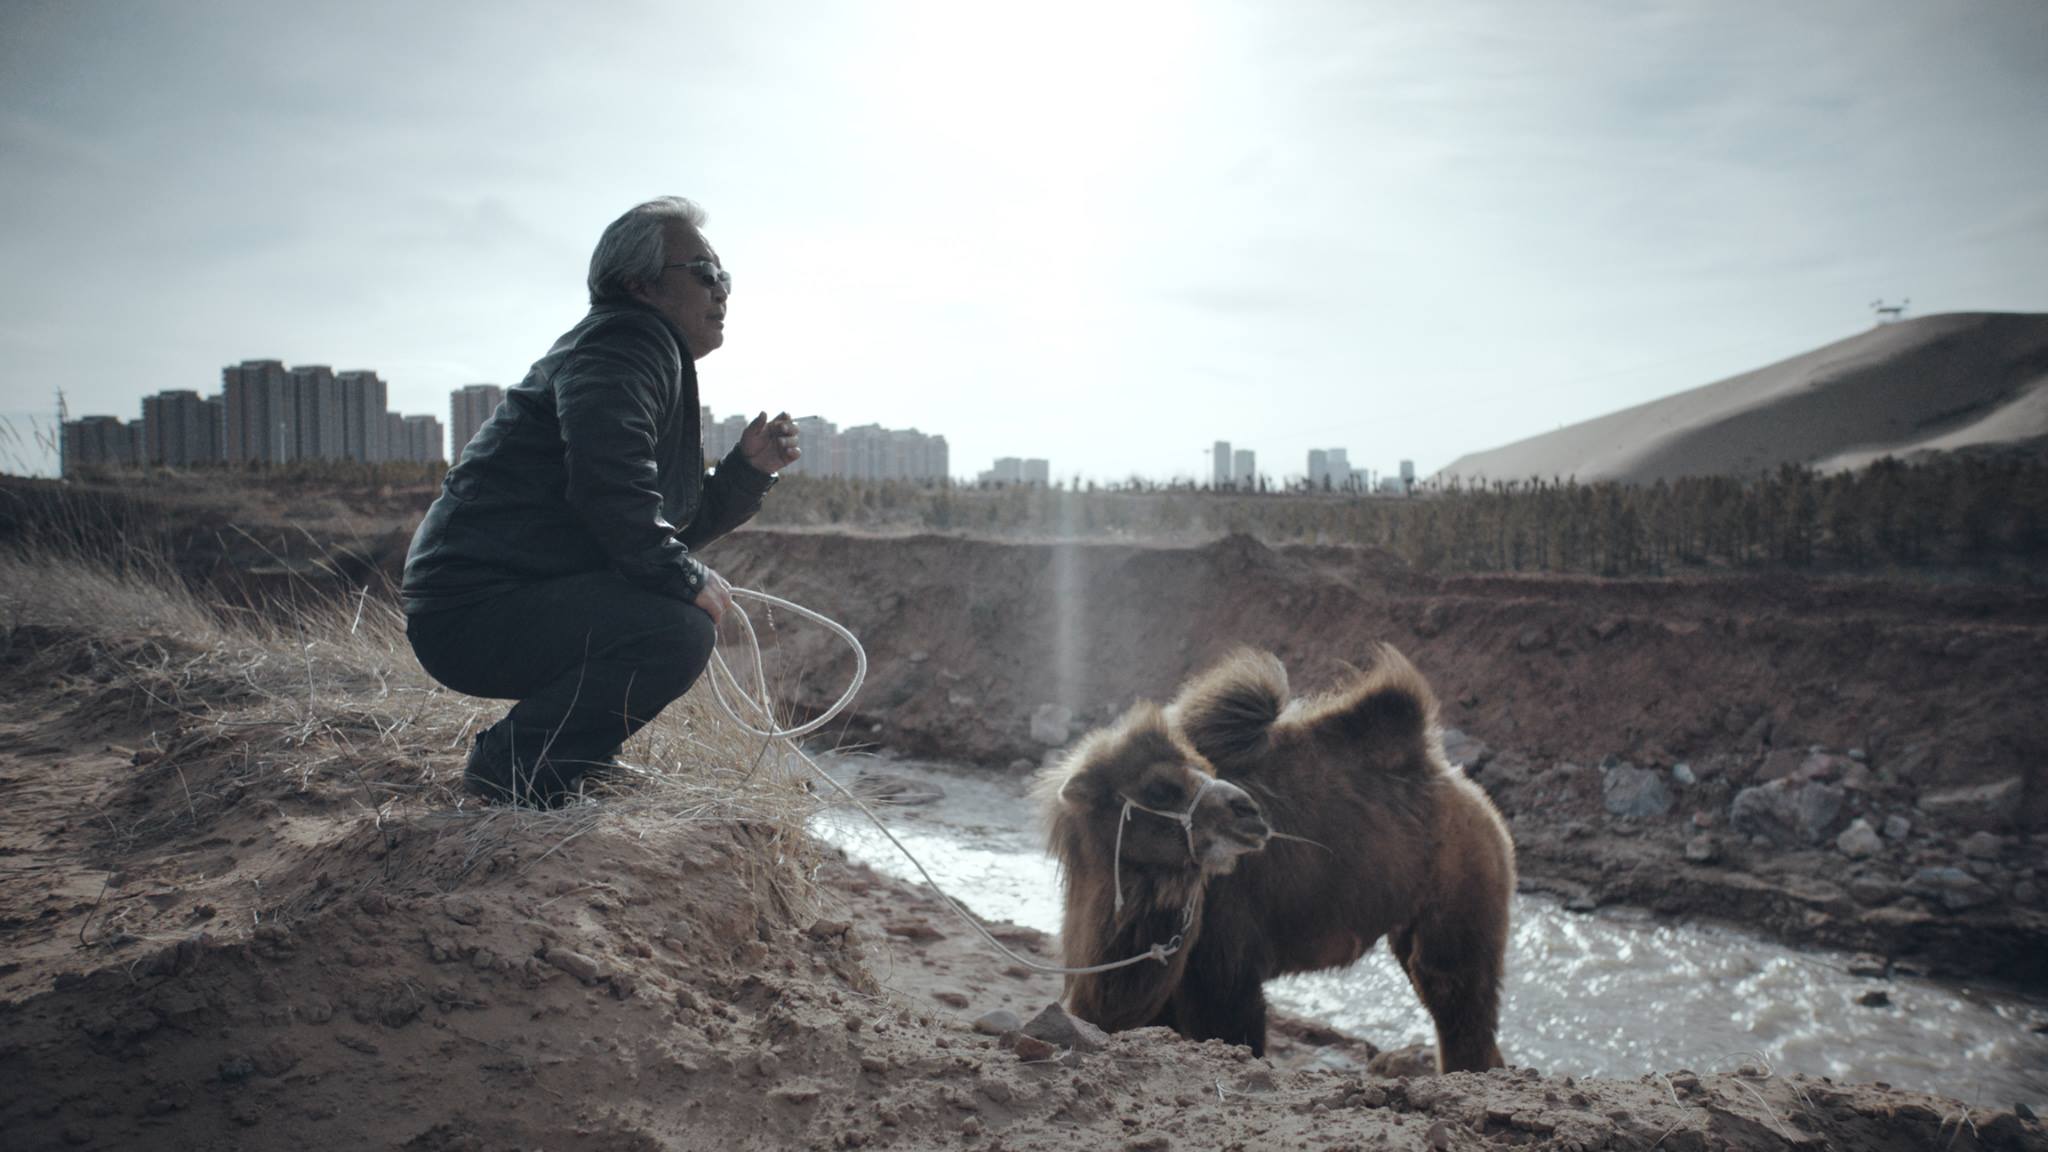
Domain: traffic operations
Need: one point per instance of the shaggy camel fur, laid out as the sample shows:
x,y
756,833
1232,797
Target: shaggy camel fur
x,y
1398,844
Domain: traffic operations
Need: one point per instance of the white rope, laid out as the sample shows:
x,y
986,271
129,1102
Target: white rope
x,y
764,706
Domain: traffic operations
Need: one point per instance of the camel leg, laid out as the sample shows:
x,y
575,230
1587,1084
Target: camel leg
x,y
1456,971
1222,997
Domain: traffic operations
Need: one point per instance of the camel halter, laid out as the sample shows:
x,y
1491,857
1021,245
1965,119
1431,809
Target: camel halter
x,y
759,702
1186,820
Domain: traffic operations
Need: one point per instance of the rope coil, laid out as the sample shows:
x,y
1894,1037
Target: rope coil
x,y
760,703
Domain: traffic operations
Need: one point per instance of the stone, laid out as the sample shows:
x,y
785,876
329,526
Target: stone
x,y
1469,751
1054,1026
1984,807
1634,793
950,998
1868,964
2027,893
1873,891
1532,638
1859,840
575,964
1787,811
1051,724
1683,775
1955,888
902,791
998,1022
1983,846
1780,764
1413,1060
1897,827
1609,628
1031,1048
1022,766
1821,766
1702,849
463,909
1875,998
1859,755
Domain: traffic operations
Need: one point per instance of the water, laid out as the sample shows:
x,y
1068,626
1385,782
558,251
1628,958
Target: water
x,y
1613,995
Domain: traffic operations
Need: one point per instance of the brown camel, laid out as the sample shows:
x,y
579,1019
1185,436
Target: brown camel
x,y
1274,838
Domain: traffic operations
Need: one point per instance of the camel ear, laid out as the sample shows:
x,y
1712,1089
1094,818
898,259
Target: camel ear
x,y
1078,792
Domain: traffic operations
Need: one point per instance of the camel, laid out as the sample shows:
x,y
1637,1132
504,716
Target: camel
x,y
1267,837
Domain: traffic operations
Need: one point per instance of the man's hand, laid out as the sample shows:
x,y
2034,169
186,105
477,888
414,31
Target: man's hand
x,y
715,597
770,445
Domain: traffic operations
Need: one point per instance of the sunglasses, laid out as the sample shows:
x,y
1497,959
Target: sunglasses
x,y
708,274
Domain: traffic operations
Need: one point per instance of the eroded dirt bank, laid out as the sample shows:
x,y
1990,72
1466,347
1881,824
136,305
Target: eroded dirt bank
x,y
1858,763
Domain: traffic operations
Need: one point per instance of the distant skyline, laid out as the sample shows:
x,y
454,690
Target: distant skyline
x,y
1106,235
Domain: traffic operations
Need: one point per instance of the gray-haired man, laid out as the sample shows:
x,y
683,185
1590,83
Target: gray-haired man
x,y
557,567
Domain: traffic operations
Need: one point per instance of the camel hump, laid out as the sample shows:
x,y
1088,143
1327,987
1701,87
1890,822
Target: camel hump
x,y
1390,709
1227,711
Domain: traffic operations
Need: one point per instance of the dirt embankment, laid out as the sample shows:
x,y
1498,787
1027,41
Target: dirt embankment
x,y
209,943
1858,763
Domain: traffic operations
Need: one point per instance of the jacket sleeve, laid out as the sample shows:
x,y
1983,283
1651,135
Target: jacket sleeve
x,y
610,395
731,497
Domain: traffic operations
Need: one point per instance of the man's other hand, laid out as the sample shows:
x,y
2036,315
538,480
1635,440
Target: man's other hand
x,y
715,597
770,445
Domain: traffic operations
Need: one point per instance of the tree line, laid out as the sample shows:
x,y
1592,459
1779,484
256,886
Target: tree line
x,y
1975,511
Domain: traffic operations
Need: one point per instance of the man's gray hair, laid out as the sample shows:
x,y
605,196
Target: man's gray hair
x,y
632,249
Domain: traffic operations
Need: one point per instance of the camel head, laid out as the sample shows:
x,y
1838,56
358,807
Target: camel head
x,y
1175,814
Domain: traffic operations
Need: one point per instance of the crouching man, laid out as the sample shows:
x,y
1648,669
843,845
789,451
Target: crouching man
x,y
557,567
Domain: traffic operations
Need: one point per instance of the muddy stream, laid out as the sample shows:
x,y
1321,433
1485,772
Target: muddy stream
x,y
1609,994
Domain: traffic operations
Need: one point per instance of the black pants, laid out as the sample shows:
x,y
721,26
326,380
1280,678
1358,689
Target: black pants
x,y
589,658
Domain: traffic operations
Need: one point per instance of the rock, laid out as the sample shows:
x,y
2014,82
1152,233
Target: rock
x,y
899,790
1954,887
1431,621
1683,775
1897,827
463,909
1781,764
1787,811
1702,849
1859,755
1875,998
951,999
1582,902
1609,628
1414,1060
1054,1026
575,964
998,1022
1860,840
1051,724
1872,892
920,656
1867,964
1031,1048
1469,751
1983,846
913,928
1634,793
2022,1111
1533,638
829,929
1441,1136
2026,893
1986,807
1021,766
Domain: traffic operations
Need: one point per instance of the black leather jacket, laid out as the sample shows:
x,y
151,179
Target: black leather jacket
x,y
595,460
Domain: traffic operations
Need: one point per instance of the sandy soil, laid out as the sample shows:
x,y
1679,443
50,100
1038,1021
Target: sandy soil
x,y
1945,381
208,946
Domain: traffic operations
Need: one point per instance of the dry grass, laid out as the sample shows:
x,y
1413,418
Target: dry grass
x,y
323,703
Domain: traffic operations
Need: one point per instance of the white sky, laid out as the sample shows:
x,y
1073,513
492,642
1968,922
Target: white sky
x,y
1104,233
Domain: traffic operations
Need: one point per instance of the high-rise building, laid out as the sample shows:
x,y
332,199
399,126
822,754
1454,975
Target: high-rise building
x,y
815,435
1038,472
469,407
179,429
1220,474
1007,470
256,395
316,413
363,401
1318,467
1244,467
96,442
1407,473
422,439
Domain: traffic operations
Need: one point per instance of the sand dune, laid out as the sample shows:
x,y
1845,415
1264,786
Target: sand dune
x,y
1933,382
